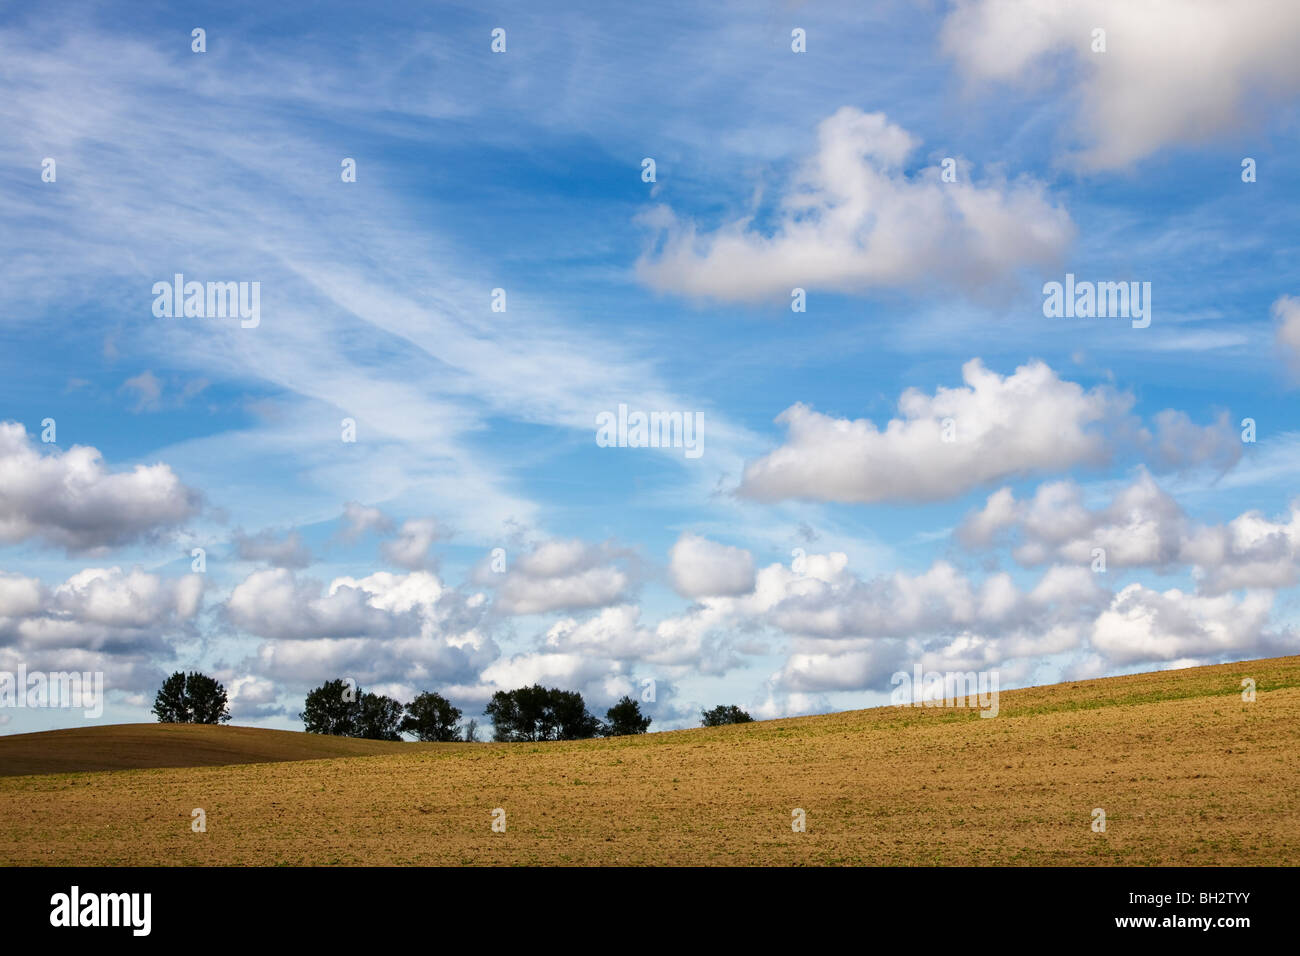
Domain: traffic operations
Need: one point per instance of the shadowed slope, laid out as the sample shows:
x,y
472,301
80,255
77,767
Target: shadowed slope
x,y
139,746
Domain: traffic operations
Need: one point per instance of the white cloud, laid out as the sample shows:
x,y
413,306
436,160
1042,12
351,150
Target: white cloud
x,y
700,567
274,603
1001,426
1169,75
99,619
69,499
1141,527
561,575
821,671
1146,625
995,427
937,602
855,220
407,629
252,697
854,635
563,670
1250,551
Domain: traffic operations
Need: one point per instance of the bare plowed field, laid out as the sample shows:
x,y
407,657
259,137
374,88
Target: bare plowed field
x,y
1184,769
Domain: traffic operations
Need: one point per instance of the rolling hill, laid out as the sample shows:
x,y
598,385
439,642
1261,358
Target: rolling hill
x,y
1186,771
139,746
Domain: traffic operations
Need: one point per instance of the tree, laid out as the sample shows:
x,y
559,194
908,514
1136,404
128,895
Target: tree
x,y
191,698
333,708
207,700
625,719
540,713
380,718
518,715
725,714
431,717
471,731
170,706
570,719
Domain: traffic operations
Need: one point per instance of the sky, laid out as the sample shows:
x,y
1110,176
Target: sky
x,y
823,234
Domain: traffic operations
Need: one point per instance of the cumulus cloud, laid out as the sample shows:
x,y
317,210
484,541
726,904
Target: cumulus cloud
x,y
938,601
1146,625
704,639
253,697
1163,80
852,634
806,672
995,427
1250,551
847,633
1140,527
561,575
944,444
854,220
99,619
71,500
274,603
562,670
397,628
700,567
96,607
691,641
848,639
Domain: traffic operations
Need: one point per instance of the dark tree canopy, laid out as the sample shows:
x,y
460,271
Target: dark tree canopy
x,y
207,700
380,718
431,717
170,706
570,719
541,713
191,698
725,714
341,708
333,708
625,718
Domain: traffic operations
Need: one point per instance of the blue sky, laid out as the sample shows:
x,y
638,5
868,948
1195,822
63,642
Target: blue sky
x,y
476,429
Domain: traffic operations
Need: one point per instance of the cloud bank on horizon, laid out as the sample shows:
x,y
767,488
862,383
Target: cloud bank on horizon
x,y
799,260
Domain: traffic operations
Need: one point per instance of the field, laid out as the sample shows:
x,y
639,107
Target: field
x,y
1185,770
134,746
